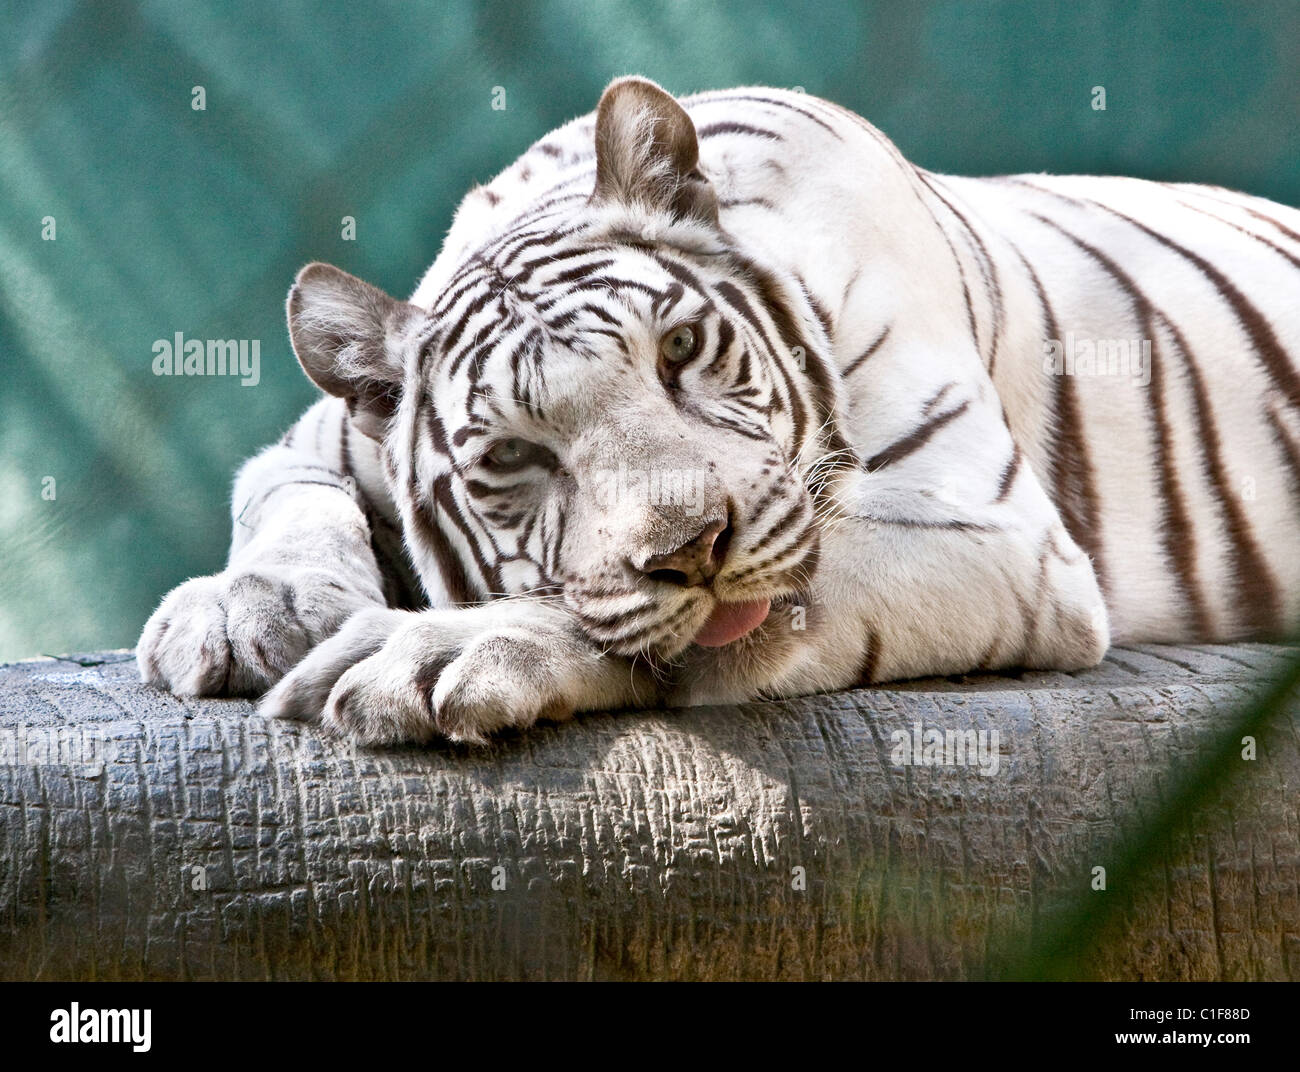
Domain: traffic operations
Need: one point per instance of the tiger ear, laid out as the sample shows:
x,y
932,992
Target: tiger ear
x,y
347,336
647,153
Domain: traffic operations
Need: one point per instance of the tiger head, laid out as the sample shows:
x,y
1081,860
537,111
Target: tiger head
x,y
607,401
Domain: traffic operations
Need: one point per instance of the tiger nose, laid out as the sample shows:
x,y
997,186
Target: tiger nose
x,y
696,562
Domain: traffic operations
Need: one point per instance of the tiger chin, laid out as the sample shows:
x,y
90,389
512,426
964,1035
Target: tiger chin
x,y
853,367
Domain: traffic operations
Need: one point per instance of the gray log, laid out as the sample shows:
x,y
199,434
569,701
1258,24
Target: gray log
x,y
146,837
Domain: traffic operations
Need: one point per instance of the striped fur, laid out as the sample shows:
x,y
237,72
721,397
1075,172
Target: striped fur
x,y
876,415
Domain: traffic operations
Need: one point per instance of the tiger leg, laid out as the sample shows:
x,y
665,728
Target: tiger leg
x,y
300,564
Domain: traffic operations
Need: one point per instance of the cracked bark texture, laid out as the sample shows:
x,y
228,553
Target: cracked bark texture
x,y
145,837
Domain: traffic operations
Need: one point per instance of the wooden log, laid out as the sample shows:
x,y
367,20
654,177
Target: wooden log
x,y
145,837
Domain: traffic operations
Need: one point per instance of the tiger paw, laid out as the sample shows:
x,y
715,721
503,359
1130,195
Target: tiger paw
x,y
390,677
237,633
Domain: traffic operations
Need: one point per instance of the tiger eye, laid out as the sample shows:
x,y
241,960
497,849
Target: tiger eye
x,y
679,344
513,454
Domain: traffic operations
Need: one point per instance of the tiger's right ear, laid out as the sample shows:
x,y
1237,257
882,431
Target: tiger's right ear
x,y
647,154
347,336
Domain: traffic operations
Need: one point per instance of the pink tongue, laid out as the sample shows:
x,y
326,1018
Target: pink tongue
x,y
731,621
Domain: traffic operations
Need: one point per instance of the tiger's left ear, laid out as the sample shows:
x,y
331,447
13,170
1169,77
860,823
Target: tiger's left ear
x,y
348,337
647,154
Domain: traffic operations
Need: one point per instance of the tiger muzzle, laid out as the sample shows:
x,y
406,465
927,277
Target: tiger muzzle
x,y
696,562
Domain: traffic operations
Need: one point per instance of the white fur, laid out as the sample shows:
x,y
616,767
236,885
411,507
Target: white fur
x,y
928,565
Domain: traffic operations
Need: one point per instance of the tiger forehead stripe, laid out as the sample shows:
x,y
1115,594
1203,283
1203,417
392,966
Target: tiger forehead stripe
x,y
525,271
679,271
489,263
668,298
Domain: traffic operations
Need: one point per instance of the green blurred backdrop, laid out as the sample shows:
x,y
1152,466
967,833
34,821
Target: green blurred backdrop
x,y
168,219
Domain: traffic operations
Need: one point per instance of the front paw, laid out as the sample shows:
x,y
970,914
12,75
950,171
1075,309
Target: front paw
x,y
239,632
460,674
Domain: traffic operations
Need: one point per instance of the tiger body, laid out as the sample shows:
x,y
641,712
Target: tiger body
x,y
936,425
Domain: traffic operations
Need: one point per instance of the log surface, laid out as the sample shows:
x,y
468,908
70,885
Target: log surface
x,y
145,837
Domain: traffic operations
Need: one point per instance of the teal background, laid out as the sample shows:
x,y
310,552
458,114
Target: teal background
x,y
170,219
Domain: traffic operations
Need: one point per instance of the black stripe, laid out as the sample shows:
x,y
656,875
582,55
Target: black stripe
x,y
808,534
450,571
861,359
916,186
1257,596
773,530
1073,485
749,431
743,202
678,271
462,321
623,284
735,297
1290,451
455,291
1009,474
1265,218
1235,200
345,444
1178,531
711,130
870,659
558,544
481,490
1295,261
988,270
914,440
727,98
569,275
726,336
950,525
933,402
511,245
1264,340
817,371
599,313
445,497
821,313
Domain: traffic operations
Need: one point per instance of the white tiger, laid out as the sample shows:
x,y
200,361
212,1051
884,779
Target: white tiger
x,y
928,424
